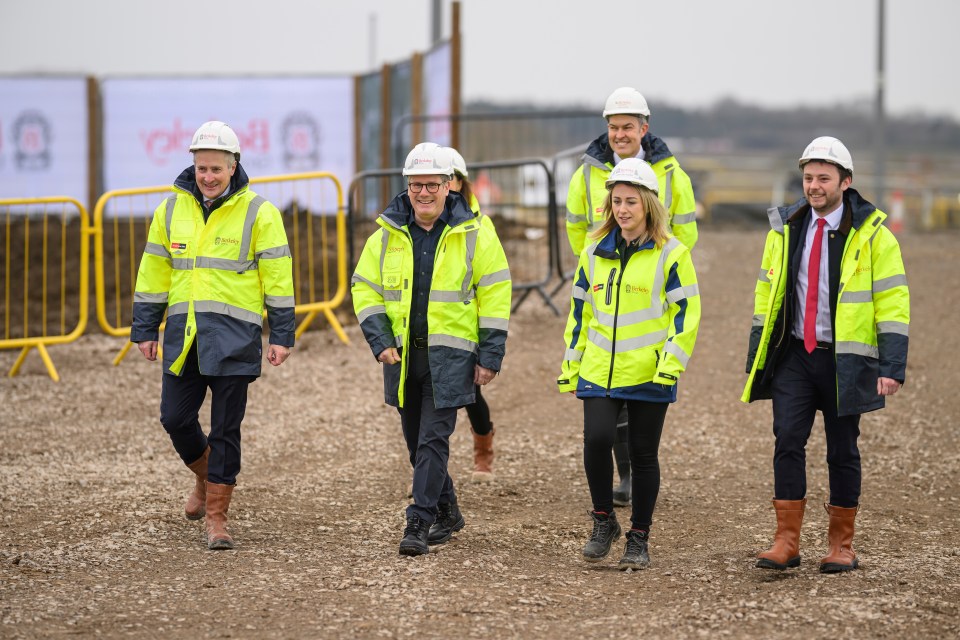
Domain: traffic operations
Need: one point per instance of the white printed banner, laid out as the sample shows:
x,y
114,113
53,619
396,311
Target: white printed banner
x,y
44,138
285,125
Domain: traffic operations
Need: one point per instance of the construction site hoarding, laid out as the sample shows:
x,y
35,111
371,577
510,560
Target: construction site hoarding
x,y
44,139
285,125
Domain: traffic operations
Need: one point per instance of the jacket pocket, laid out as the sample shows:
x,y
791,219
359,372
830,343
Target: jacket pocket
x,y
392,271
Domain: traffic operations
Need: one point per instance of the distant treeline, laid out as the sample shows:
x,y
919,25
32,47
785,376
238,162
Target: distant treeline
x,y
750,128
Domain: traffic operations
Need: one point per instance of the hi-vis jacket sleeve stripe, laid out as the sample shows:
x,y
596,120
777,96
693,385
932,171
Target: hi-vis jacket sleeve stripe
x,y
683,295
153,279
494,288
575,335
367,292
275,266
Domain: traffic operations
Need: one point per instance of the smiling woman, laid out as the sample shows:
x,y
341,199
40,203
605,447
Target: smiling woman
x,y
634,318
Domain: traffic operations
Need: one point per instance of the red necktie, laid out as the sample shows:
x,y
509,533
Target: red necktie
x,y
813,287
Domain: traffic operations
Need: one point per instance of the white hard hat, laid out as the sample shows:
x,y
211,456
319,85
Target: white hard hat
x,y
459,165
627,101
217,136
827,149
428,159
634,171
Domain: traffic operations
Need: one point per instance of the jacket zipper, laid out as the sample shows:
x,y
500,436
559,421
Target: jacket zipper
x,y
616,309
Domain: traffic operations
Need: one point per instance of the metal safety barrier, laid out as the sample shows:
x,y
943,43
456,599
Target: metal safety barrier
x,y
45,303
517,195
308,203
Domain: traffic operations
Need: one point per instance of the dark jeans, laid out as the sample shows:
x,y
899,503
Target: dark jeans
x,y
180,400
804,383
427,431
645,424
479,414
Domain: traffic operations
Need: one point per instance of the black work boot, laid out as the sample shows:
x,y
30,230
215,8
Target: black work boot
x,y
621,453
605,530
449,520
414,541
635,555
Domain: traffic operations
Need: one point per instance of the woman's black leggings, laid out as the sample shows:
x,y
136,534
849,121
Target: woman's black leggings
x,y
479,414
645,424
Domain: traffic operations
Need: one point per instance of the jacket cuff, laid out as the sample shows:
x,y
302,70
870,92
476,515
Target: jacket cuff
x,y
666,379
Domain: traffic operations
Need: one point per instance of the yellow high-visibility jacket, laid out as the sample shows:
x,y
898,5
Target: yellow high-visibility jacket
x,y
633,323
870,311
468,311
214,279
588,190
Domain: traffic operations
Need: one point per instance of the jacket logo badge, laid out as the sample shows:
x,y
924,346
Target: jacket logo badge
x,y
636,289
219,241
178,247
770,273
598,287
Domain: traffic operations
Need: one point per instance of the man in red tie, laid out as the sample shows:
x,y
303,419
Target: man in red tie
x,y
830,334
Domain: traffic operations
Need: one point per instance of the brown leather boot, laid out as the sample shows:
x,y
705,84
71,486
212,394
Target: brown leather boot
x,y
785,552
218,502
197,501
840,556
483,456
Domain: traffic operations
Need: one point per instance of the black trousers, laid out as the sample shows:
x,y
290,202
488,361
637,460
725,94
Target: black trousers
x,y
479,414
427,431
180,400
645,425
803,384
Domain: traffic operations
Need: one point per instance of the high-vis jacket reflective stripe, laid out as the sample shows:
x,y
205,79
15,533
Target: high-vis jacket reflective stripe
x,y
214,280
871,327
468,310
631,331
588,190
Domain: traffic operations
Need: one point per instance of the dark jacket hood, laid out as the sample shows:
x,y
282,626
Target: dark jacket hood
x,y
654,149
187,180
399,212
856,209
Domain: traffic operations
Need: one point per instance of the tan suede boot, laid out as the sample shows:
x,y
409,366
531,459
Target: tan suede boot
x,y
840,556
785,552
218,502
197,501
483,457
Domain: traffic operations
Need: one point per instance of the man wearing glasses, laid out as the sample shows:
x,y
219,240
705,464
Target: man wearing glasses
x,y
432,292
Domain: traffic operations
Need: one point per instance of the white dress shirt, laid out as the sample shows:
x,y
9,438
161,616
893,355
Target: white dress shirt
x,y
824,330
616,159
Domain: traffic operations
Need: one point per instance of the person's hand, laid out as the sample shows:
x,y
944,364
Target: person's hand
x,y
390,355
887,386
149,349
482,375
276,354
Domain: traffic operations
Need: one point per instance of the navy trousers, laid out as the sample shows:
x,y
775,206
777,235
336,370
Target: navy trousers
x,y
427,432
180,402
803,384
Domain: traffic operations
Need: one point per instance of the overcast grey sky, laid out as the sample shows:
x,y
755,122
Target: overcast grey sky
x,y
691,53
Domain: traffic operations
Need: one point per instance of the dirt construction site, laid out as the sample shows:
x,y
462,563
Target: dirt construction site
x,y
93,542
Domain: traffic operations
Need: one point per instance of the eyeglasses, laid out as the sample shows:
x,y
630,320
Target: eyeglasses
x,y
432,187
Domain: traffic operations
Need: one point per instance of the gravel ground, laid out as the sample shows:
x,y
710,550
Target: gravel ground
x,y
93,543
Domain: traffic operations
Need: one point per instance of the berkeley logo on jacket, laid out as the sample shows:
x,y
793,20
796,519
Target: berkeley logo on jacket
x,y
214,279
588,190
469,307
872,316
633,321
